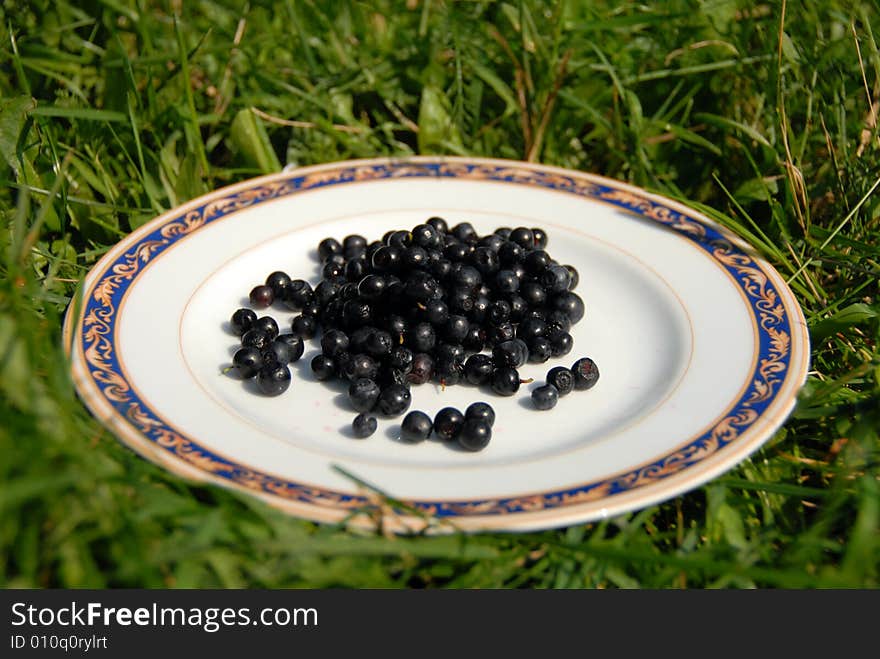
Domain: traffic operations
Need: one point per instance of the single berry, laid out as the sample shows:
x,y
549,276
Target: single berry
x,y
478,369
242,320
586,373
371,287
540,350
363,426
416,427
545,397
328,247
448,423
261,296
304,326
539,237
513,353
394,399
439,224
422,369
481,410
363,394
475,435
256,338
562,378
561,344
278,281
570,304
505,381
267,324
247,362
323,367
334,341
295,343
278,351
273,379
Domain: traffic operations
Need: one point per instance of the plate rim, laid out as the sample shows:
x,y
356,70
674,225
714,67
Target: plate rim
x,y
529,513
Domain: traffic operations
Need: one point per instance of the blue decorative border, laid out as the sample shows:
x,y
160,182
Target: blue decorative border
x,y
104,298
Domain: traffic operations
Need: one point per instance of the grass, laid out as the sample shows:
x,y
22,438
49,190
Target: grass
x,y
763,115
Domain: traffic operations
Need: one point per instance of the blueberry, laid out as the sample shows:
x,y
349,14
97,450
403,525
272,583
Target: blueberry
x,y
394,399
533,293
555,279
353,246
535,261
573,277
545,397
371,287
465,232
304,326
328,247
363,394
426,236
360,365
278,281
439,224
414,257
242,320
475,339
562,379
540,350
278,351
379,344
475,435
539,237
586,373
561,344
294,343
386,259
422,369
256,338
478,369
333,342
261,296
513,353
363,426
510,253
448,423
570,304
273,379
416,427
505,381
481,410
323,367
247,362
422,337
506,281
523,237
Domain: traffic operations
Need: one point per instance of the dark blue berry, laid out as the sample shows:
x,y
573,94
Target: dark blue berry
x,y
247,362
562,378
242,320
448,423
586,373
481,410
475,435
261,296
323,367
394,399
363,394
416,427
545,397
273,379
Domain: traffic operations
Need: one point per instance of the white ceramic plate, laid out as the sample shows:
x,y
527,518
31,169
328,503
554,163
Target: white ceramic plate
x,y
701,345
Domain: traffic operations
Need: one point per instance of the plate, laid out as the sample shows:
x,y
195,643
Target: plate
x,y
701,345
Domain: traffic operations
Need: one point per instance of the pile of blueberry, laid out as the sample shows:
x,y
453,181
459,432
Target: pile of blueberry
x,y
432,303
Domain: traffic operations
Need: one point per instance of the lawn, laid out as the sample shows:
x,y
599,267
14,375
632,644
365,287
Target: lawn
x,y
763,115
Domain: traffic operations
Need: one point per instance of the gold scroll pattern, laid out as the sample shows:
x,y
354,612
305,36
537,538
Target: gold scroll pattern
x,y
98,350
